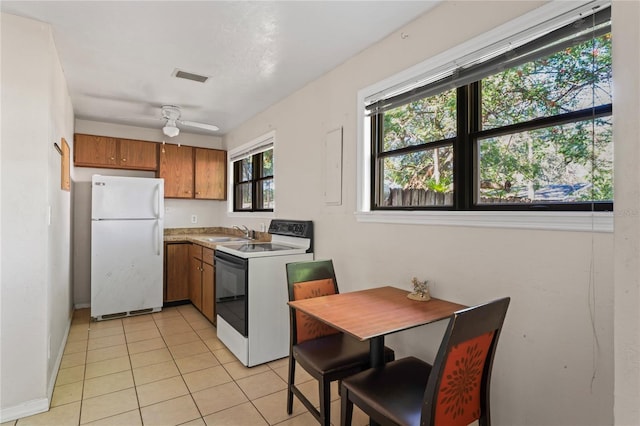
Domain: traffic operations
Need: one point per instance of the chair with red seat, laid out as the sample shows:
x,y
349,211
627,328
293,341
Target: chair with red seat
x,y
324,352
452,392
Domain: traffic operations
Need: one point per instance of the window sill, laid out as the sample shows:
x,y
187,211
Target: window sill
x,y
553,221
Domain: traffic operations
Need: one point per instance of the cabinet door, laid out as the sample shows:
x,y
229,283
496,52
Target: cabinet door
x,y
94,151
195,250
139,155
210,174
195,283
176,167
176,272
208,292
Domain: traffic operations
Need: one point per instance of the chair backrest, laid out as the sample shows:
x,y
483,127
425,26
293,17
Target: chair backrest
x,y
457,391
306,280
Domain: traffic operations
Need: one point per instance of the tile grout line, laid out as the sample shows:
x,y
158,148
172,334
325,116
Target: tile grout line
x,y
182,376
133,377
191,321
84,372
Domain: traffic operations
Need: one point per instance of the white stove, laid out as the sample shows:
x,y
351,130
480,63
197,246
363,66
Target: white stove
x,y
287,237
251,291
260,249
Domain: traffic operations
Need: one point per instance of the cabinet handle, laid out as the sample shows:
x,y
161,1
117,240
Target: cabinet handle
x,y
124,160
112,158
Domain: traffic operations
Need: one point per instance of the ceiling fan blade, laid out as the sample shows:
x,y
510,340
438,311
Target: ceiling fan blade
x,y
199,125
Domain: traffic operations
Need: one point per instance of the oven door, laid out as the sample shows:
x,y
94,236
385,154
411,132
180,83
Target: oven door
x,y
232,274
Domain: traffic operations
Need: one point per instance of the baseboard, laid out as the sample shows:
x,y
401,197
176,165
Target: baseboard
x,y
82,305
25,409
40,405
56,367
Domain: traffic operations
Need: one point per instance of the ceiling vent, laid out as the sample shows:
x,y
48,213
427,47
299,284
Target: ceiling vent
x,y
190,76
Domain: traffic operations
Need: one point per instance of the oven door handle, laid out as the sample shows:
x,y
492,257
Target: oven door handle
x,y
229,260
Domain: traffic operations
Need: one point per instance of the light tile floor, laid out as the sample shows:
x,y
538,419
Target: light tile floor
x,y
169,368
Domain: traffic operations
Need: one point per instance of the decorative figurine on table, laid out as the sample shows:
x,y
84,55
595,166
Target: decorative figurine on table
x,y
420,290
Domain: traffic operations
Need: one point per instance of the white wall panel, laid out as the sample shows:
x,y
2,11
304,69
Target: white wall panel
x,y
555,363
35,220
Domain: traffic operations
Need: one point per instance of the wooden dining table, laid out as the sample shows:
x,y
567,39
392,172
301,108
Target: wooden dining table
x,y
373,313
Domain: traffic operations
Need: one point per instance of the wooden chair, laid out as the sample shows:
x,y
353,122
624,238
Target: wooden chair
x,y
324,352
452,392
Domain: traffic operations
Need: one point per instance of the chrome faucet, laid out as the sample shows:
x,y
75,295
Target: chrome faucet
x,y
248,233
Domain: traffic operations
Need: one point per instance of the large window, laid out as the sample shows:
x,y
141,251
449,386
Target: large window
x,y
253,179
527,129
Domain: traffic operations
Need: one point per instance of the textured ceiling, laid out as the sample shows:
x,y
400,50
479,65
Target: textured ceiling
x,y
119,56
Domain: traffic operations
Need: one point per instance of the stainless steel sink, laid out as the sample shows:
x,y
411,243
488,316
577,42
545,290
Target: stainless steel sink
x,y
223,239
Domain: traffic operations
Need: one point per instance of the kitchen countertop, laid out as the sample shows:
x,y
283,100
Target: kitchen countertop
x,y
203,236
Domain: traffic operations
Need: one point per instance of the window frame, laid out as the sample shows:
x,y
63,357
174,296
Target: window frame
x,y
554,14
254,149
468,112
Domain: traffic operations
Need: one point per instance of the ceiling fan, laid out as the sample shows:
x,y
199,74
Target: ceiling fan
x,y
171,113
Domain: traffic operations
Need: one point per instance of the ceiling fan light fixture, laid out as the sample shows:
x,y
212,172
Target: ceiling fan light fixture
x,y
170,130
171,113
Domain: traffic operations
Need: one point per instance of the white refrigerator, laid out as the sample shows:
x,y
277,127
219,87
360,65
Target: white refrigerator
x,y
127,218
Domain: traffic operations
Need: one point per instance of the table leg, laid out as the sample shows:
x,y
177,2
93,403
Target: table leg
x,y
376,354
376,351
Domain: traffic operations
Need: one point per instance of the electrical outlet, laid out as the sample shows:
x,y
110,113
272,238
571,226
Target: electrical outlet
x,y
194,218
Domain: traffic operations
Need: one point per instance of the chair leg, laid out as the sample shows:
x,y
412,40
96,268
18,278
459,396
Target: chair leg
x,y
346,408
325,402
292,376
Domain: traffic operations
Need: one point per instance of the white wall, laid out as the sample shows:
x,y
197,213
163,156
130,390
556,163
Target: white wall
x,y
177,212
626,51
36,283
59,271
553,367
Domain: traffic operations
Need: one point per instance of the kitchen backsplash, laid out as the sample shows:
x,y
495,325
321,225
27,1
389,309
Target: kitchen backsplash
x,y
260,236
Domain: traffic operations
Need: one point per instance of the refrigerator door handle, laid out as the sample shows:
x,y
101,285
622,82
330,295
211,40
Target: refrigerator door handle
x,y
158,202
158,237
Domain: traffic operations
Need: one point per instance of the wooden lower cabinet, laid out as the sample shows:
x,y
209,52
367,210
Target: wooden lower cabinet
x,y
202,281
195,283
208,292
176,271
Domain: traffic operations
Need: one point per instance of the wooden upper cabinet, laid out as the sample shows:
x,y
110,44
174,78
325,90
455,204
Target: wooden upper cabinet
x,y
114,153
176,168
139,155
210,174
188,172
95,151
